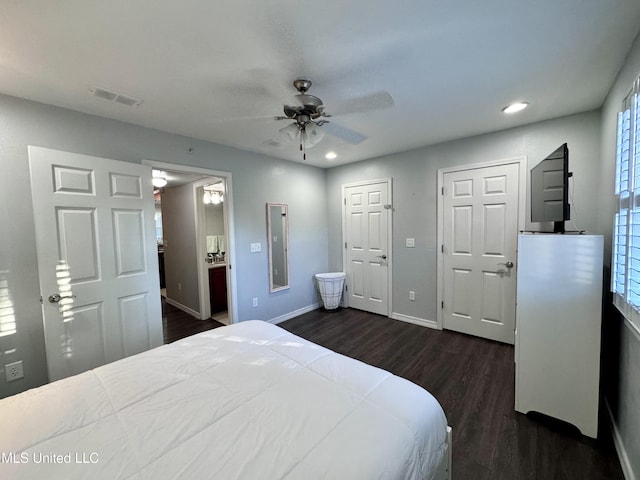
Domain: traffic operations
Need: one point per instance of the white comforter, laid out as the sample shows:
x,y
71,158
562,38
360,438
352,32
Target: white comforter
x,y
249,401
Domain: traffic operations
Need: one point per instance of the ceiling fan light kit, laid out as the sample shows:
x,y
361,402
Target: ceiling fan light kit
x,y
308,116
305,115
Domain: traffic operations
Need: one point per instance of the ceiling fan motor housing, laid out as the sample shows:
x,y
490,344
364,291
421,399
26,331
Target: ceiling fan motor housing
x,y
302,84
309,106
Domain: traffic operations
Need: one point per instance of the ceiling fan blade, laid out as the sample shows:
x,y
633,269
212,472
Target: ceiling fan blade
x,y
366,103
344,133
287,136
272,142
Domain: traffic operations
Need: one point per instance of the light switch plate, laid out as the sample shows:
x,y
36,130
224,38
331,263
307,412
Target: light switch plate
x,y
410,242
256,247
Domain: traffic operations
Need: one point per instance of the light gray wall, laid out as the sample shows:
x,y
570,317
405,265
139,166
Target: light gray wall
x,y
414,175
257,179
180,247
623,351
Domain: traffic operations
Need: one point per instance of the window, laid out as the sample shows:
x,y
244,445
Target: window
x,y
625,264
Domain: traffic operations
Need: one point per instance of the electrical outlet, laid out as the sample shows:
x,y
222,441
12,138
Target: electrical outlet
x,y
412,295
255,301
410,242
14,371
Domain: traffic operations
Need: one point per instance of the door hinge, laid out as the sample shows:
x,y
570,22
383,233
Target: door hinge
x,y
442,304
442,191
344,200
345,245
346,287
442,248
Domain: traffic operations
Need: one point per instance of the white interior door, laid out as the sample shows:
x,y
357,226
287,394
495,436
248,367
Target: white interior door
x,y
367,229
480,234
95,235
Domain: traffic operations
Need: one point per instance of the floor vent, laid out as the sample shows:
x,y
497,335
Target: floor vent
x,y
115,97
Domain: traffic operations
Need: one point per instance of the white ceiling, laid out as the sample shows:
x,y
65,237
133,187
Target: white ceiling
x,y
220,71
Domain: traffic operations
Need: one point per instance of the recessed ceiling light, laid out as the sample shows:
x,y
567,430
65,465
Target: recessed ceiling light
x,y
515,107
330,155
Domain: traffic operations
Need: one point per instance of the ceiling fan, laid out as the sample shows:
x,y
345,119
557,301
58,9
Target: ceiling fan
x,y
309,115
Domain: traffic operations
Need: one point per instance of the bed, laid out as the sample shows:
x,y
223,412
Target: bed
x,y
246,401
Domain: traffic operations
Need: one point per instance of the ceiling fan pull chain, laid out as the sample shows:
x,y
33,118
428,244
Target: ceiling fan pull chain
x,y
303,148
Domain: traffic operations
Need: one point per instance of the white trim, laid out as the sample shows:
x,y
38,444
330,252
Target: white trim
x,y
182,307
204,293
389,182
295,313
229,230
625,464
423,322
522,203
623,308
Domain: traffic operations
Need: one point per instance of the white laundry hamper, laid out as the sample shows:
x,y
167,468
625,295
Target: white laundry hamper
x,y
330,286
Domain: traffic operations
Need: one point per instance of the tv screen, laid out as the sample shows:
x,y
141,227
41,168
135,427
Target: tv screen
x,y
550,189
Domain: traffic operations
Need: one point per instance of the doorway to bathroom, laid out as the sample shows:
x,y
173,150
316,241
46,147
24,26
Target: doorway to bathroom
x,y
210,227
196,235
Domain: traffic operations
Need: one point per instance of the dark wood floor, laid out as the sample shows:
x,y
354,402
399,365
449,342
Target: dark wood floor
x,y
473,379
177,324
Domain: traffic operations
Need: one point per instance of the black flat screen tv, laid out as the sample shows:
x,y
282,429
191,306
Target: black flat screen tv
x,y
550,189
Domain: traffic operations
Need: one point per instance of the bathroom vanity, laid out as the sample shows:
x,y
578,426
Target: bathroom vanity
x,y
218,287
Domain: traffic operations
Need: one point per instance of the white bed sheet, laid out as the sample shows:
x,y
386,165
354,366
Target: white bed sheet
x,y
248,401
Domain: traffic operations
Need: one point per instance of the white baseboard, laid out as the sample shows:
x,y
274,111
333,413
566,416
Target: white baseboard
x,y
627,471
184,308
295,313
396,316
415,320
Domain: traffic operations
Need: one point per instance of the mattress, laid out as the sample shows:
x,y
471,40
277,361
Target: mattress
x,y
247,401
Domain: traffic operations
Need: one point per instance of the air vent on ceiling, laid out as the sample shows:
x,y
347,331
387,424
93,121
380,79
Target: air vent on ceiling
x,y
115,97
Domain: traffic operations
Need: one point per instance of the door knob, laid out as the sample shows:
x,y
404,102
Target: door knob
x,y
508,264
56,297
384,257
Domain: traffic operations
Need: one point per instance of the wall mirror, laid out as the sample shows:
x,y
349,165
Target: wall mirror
x,y
278,236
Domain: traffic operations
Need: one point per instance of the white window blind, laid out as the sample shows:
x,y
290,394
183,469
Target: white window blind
x,y
625,275
619,261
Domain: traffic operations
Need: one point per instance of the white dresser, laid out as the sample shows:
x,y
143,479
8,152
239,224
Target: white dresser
x,y
558,317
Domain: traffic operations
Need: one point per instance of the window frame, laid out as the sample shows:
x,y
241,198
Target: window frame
x,y
625,256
